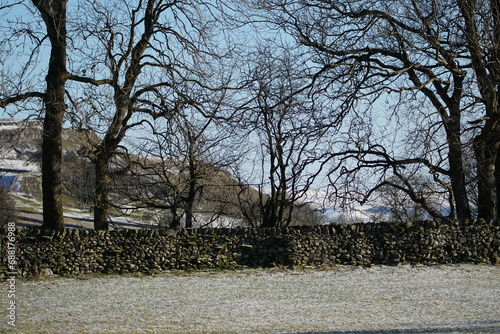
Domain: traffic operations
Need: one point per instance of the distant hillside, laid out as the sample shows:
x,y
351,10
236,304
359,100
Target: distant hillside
x,y
20,140
20,169
144,191
141,195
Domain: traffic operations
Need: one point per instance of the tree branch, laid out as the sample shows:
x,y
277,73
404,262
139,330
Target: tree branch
x,y
90,80
16,98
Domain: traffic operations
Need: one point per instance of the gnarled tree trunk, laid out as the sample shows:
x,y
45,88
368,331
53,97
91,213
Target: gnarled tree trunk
x,y
101,204
54,15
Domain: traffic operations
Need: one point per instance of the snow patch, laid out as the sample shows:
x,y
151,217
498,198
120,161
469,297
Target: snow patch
x,y
21,166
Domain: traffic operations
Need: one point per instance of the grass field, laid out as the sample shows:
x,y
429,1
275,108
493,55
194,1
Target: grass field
x,y
441,299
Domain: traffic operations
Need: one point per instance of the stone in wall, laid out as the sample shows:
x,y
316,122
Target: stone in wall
x,y
76,252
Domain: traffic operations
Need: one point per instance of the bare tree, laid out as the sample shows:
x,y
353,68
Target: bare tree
x,y
410,48
148,50
396,204
481,33
290,129
181,168
53,14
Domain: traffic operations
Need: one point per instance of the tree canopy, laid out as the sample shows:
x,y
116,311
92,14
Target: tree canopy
x,y
356,97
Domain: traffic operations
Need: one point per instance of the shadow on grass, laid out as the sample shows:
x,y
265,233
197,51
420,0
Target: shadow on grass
x,y
492,326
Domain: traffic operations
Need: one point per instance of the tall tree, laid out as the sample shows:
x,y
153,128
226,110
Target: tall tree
x,y
412,47
290,129
481,33
181,168
148,49
53,14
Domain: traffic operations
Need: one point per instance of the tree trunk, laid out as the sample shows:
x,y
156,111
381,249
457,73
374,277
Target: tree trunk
x,y
497,185
189,214
486,157
102,156
457,175
54,16
101,205
483,42
193,177
269,218
176,220
189,203
53,215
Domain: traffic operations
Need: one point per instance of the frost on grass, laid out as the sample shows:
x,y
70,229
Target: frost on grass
x,y
448,299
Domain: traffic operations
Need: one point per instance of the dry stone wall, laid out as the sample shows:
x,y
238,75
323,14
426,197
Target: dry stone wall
x,y
74,252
